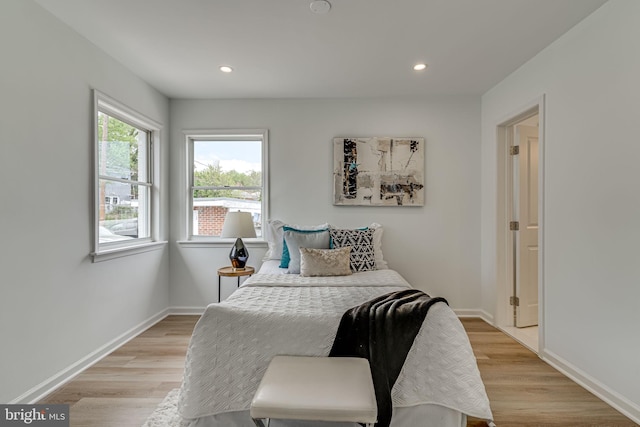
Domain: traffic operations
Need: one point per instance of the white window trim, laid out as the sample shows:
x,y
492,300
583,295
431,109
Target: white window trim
x,y
221,134
131,249
104,252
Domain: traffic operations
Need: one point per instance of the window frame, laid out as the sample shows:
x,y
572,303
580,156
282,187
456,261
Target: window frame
x,y
224,135
104,104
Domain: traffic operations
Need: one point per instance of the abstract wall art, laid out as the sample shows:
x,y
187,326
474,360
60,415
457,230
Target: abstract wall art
x,y
378,171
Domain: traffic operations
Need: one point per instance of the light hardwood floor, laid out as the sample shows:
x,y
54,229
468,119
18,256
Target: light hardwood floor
x,y
124,388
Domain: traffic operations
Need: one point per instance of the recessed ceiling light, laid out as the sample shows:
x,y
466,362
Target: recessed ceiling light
x,y
226,69
420,67
320,6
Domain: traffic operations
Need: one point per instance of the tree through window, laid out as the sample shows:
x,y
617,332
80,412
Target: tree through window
x,y
124,179
226,173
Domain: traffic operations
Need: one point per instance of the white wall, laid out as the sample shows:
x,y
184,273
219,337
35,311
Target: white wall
x,y
435,247
592,205
56,306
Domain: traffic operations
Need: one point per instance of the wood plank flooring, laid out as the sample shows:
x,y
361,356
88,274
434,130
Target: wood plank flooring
x,y
124,388
525,391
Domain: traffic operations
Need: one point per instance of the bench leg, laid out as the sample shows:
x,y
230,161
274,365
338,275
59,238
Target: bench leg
x,y
260,423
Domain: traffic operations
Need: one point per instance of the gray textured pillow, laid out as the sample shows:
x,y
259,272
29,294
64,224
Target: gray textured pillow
x,y
325,262
296,240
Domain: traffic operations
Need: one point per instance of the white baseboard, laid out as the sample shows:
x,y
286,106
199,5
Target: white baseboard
x,y
38,392
468,312
41,390
463,312
49,385
620,403
185,311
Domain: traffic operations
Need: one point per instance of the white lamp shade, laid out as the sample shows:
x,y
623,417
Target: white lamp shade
x,y
238,224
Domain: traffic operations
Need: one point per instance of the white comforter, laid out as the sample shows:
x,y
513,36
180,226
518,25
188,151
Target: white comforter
x,y
234,341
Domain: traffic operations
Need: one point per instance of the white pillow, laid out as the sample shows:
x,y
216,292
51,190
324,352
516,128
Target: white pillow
x,y
325,262
381,264
274,236
296,240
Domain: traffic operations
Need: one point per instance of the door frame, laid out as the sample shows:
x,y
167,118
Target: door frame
x,y
504,237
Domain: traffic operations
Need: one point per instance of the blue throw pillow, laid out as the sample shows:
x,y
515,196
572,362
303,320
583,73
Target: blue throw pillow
x,y
286,257
296,240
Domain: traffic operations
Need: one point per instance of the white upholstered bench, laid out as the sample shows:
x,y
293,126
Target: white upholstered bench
x,y
316,388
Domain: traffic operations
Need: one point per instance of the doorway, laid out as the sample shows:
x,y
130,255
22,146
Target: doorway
x,y
520,195
524,201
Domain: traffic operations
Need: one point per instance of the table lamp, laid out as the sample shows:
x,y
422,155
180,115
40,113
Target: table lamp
x,y
238,225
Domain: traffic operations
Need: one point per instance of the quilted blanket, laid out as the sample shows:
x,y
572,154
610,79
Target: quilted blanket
x,y
382,331
234,341
373,278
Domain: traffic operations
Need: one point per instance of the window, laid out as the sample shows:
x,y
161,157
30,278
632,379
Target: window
x,y
226,171
124,176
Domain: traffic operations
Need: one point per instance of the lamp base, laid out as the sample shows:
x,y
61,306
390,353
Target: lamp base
x,y
238,255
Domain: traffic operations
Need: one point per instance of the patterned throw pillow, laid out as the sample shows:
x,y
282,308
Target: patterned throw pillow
x,y
361,241
325,262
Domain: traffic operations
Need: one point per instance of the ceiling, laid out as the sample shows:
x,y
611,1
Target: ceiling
x,y
360,48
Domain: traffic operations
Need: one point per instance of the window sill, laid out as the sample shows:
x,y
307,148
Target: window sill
x,y
108,254
220,243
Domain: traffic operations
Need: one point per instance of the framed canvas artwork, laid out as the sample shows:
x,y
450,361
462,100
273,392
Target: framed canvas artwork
x,y
378,171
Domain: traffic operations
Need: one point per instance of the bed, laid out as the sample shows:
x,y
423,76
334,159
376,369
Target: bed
x,y
275,313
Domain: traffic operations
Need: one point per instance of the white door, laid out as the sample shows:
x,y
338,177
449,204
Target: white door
x,y
526,213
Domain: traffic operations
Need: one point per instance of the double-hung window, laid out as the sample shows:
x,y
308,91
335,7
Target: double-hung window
x,y
227,171
123,176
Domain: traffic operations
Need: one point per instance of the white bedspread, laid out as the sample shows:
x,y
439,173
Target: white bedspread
x,y
365,278
234,341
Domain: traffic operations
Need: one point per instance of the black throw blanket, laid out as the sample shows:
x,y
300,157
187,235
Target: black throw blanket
x,y
382,331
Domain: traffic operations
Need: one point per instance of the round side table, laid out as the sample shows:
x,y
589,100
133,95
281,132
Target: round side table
x,y
233,272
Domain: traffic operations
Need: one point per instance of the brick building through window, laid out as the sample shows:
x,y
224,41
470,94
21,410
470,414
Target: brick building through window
x,y
210,219
209,214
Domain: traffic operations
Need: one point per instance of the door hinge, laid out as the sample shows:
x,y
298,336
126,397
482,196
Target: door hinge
x,y
514,150
514,226
514,301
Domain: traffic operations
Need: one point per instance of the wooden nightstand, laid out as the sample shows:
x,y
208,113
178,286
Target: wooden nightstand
x,y
232,272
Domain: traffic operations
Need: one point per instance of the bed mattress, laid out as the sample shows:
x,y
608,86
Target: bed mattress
x,y
273,313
